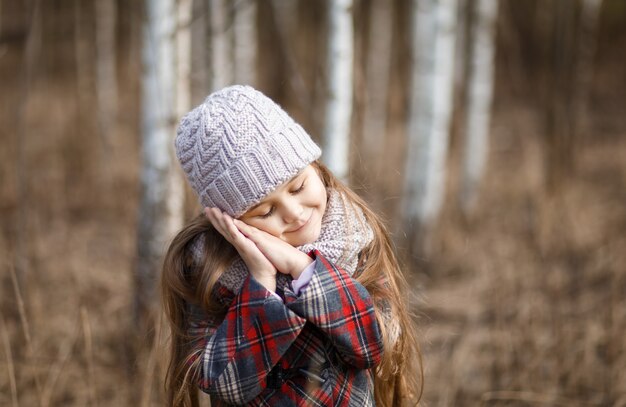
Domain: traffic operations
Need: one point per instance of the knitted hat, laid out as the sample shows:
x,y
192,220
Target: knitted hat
x,y
238,146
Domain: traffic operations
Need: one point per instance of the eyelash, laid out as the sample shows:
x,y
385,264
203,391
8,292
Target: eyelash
x,y
268,214
271,211
300,188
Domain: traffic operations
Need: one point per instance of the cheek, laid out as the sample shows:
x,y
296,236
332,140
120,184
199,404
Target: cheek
x,y
317,193
322,197
266,225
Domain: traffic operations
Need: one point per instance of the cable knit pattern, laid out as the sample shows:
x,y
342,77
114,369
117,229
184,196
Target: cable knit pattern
x,y
238,146
343,235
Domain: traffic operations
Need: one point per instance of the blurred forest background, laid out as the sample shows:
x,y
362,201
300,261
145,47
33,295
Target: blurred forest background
x,y
519,290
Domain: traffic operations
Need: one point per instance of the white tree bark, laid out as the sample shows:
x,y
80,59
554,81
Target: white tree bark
x,y
377,81
222,68
245,44
176,198
159,217
479,97
339,102
431,108
183,57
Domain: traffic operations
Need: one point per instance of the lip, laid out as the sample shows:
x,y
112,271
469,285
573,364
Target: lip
x,y
303,225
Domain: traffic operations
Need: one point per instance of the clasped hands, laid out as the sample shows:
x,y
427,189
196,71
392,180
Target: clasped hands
x,y
263,253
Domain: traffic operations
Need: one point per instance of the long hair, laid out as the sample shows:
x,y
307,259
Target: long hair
x,y
398,377
185,283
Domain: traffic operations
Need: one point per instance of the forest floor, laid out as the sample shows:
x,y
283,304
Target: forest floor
x,y
525,303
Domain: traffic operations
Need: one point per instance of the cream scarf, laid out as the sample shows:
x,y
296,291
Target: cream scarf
x,y
344,234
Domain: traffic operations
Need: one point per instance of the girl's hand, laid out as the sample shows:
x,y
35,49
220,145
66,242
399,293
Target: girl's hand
x,y
260,267
286,258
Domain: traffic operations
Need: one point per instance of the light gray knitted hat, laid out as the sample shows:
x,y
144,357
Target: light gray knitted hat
x,y
238,146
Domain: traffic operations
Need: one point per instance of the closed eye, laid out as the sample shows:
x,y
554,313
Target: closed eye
x,y
298,190
268,213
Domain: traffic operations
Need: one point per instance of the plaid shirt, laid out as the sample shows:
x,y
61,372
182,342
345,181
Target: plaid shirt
x,y
316,348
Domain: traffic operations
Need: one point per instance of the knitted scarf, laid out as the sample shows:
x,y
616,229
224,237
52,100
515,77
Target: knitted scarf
x,y
344,234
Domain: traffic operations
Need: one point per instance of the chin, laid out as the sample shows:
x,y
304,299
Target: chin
x,y
305,238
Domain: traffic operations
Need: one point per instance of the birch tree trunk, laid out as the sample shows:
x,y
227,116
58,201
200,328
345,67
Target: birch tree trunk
x,y
431,107
178,197
183,57
245,46
159,217
339,102
479,97
221,41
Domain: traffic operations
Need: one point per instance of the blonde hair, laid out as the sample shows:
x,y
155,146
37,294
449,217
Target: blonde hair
x,y
398,379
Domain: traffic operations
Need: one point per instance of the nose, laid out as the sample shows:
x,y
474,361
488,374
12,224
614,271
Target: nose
x,y
292,210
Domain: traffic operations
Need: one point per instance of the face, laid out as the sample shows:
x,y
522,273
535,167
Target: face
x,y
293,212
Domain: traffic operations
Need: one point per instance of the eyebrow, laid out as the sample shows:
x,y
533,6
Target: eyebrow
x,y
253,207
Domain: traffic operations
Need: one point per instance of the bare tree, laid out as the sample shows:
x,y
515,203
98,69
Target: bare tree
x,y
462,43
560,104
431,107
479,96
286,24
589,16
183,57
339,101
377,81
30,59
159,214
221,40
245,49
106,77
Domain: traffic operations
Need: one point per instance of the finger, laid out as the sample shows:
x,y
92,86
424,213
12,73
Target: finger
x,y
232,229
219,223
222,218
255,234
211,214
211,217
229,228
216,220
243,227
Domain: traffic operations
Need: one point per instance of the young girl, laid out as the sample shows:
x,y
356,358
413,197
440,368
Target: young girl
x,y
286,290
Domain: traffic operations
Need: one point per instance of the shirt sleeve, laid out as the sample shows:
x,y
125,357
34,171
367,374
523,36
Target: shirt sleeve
x,y
342,308
301,282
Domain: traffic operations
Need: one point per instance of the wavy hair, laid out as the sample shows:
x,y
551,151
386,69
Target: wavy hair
x,y
398,379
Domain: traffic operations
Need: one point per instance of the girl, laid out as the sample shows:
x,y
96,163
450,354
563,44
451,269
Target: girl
x,y
286,290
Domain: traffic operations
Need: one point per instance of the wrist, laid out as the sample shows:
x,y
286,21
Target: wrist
x,y
299,263
267,280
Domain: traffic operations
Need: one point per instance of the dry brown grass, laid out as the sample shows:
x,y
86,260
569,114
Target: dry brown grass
x,y
524,303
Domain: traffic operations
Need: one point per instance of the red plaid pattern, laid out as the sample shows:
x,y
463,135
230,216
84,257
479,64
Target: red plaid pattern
x,y
314,349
